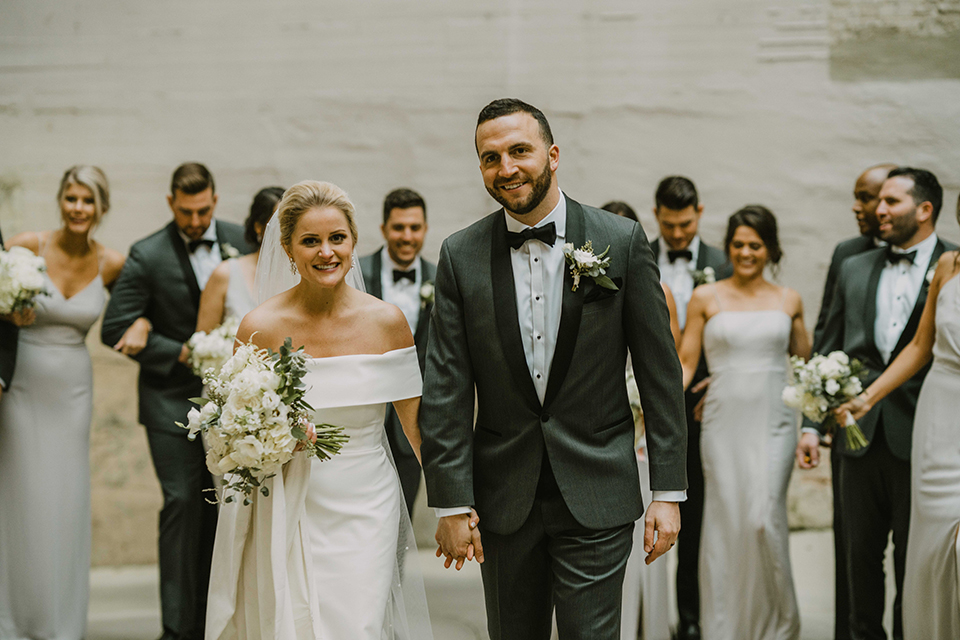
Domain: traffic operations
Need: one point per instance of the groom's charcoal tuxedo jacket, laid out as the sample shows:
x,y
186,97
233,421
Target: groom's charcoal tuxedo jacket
x,y
8,346
849,328
158,283
584,426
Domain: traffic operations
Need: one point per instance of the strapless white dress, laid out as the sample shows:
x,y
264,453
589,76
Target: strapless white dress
x,y
330,553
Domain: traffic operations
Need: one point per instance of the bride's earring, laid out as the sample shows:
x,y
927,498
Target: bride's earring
x,y
293,267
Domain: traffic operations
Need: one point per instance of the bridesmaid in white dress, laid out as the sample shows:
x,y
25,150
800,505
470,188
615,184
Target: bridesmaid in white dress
x,y
230,289
45,499
931,594
747,326
320,557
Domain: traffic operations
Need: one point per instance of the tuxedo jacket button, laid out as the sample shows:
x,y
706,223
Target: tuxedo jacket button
x,y
544,417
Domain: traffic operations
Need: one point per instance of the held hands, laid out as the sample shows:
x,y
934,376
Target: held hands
x,y
134,339
858,407
311,435
662,519
458,538
808,451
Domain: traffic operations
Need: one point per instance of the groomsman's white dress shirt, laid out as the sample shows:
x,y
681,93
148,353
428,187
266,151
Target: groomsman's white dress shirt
x,y
538,271
403,293
897,294
204,259
678,276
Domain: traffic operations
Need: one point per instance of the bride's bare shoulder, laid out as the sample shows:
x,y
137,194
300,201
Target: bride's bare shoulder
x,y
386,320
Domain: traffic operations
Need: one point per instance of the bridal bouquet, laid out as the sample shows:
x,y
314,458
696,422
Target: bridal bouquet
x,y
211,350
255,416
21,279
821,385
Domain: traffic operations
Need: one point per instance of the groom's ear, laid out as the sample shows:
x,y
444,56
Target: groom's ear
x,y
554,154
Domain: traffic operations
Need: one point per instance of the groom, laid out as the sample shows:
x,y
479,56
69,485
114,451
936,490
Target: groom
x,y
550,466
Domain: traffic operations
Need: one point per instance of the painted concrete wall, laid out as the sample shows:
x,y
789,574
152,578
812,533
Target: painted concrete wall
x,y
372,95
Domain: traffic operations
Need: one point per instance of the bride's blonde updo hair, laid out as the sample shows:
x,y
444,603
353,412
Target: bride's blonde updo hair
x,y
307,195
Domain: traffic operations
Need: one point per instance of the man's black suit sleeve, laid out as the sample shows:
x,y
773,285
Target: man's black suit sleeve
x,y
130,300
656,367
446,423
828,289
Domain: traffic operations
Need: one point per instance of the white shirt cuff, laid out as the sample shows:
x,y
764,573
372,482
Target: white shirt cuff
x,y
810,430
450,511
3,385
670,496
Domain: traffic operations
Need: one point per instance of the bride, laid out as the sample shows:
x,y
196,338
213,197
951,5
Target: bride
x,y
329,553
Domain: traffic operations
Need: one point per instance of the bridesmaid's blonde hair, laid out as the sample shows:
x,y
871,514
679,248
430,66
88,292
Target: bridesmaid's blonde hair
x,y
92,178
307,195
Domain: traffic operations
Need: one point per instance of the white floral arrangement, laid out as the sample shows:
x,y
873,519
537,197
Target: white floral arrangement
x,y
211,350
21,279
428,294
584,262
228,251
821,385
929,277
705,276
254,418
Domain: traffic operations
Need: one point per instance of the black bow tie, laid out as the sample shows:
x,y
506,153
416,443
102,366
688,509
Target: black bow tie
x,y
410,275
895,257
679,253
193,244
546,234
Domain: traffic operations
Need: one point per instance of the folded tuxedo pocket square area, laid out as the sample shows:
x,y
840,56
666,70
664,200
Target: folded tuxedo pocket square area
x,y
602,293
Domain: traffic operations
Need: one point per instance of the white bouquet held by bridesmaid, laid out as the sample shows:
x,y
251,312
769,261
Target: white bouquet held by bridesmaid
x,y
255,418
211,350
21,279
821,385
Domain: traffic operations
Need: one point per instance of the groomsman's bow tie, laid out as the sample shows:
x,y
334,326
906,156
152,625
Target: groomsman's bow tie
x,y
546,234
679,253
894,257
193,244
410,275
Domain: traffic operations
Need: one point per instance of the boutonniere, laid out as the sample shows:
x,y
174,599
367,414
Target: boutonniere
x,y
707,276
228,251
584,262
427,294
929,277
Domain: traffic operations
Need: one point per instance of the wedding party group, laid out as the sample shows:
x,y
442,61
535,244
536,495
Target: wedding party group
x,y
577,398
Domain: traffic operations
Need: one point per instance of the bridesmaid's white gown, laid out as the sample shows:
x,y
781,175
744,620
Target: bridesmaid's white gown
x,y
319,559
239,300
748,438
931,597
45,472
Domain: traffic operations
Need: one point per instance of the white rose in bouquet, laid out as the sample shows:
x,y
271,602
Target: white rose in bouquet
x,y
831,386
21,279
212,350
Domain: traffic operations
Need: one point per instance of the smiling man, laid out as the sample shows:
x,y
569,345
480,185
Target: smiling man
x,y
549,465
161,281
397,274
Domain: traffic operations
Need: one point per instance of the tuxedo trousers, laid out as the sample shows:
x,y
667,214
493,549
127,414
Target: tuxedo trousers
x,y
553,562
188,525
691,517
841,588
876,501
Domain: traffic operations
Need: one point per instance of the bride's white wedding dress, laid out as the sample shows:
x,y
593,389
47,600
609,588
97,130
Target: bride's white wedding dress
x,y
320,558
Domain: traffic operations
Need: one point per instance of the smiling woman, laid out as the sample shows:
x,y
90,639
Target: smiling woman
x,y
51,394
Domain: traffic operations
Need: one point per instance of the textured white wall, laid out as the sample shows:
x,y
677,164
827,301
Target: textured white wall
x,y
379,94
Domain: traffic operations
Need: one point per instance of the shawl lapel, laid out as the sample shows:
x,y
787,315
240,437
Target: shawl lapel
x,y
184,259
871,303
914,321
376,278
505,311
427,274
571,310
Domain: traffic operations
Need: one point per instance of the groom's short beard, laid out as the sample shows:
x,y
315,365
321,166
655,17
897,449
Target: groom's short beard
x,y
541,186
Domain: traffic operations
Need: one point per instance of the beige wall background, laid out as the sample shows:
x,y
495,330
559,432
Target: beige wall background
x,y
755,100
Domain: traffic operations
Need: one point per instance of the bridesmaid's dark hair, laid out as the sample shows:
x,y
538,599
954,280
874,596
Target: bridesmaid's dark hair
x,y
761,220
262,207
622,209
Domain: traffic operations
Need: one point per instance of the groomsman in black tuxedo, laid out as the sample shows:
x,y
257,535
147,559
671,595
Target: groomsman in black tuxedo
x,y
397,274
161,281
866,197
683,258
8,349
876,307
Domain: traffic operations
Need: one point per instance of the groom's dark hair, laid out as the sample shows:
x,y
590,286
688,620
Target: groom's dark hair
x,y
191,178
506,106
926,187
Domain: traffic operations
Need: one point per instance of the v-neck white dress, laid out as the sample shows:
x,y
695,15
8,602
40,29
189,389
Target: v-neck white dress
x,y
45,471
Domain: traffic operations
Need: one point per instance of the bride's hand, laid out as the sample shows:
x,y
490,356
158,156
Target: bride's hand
x,y
311,435
858,407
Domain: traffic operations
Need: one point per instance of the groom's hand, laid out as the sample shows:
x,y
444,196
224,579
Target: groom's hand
x,y
663,518
458,538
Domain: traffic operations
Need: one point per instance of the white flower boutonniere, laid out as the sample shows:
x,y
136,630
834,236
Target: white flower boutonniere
x,y
707,276
929,277
584,262
427,294
228,251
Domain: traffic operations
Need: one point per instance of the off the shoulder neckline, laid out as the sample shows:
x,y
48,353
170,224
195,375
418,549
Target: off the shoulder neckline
x,y
365,355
